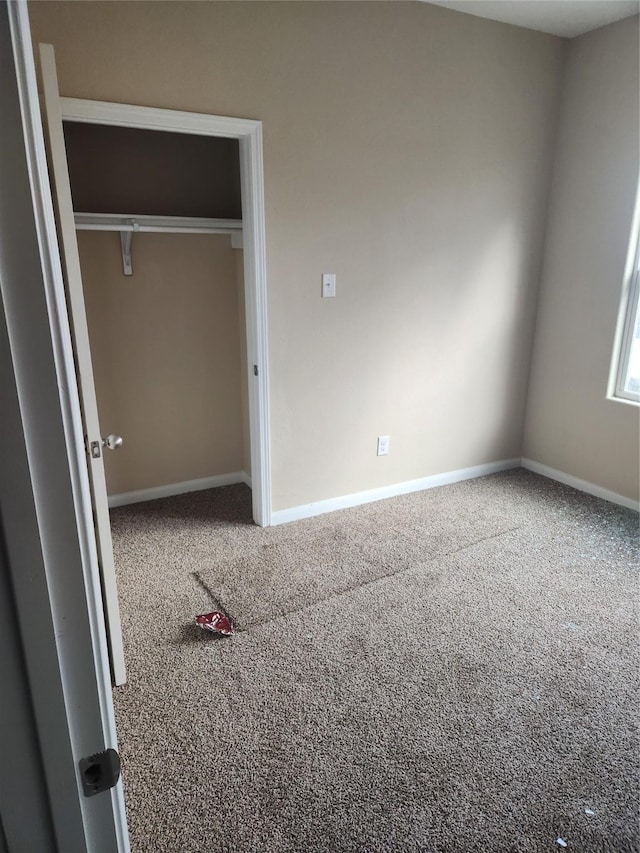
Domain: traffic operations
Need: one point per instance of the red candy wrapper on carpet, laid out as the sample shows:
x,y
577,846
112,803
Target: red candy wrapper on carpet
x,y
216,622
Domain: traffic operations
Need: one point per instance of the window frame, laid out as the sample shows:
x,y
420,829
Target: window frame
x,y
627,318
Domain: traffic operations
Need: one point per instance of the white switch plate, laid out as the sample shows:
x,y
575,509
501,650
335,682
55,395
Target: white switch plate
x,y
328,284
383,445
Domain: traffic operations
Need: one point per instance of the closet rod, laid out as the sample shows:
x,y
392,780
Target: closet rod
x,y
129,225
157,224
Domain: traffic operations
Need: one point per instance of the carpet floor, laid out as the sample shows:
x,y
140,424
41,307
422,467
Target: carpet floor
x,y
452,670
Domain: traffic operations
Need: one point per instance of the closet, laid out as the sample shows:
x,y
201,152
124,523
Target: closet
x,y
159,228
159,347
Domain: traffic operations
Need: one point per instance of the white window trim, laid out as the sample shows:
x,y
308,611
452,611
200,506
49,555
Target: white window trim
x,y
626,318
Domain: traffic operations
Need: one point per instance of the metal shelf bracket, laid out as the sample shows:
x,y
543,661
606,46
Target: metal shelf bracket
x,y
125,244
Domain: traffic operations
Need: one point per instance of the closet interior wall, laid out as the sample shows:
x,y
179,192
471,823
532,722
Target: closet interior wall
x,y
168,343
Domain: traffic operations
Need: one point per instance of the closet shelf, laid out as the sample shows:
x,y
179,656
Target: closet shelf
x,y
128,224
144,222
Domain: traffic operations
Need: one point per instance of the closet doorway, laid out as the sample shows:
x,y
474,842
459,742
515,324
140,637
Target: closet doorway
x,y
162,274
137,230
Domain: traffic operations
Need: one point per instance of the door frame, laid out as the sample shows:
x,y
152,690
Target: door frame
x,y
248,132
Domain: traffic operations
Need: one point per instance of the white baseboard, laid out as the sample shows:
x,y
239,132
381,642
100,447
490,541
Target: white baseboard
x,y
179,488
284,516
345,501
581,485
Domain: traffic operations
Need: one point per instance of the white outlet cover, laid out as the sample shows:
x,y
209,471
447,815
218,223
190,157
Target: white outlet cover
x,y
383,445
328,284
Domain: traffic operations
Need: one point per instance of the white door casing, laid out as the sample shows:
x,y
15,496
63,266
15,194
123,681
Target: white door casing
x,y
248,132
84,367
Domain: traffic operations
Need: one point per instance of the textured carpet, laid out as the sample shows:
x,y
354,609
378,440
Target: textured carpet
x,y
454,670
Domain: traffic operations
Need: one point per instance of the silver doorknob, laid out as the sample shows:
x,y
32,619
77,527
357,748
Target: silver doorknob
x,y
113,442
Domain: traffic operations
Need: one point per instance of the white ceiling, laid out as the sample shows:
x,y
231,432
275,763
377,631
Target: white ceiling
x,y
559,17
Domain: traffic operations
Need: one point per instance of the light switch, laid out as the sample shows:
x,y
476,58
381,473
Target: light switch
x,y
383,445
328,284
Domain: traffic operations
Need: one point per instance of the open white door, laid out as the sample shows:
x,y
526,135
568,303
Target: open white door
x,y
94,443
54,605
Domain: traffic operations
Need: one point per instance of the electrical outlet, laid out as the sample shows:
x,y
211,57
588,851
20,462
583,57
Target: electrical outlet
x,y
328,284
383,445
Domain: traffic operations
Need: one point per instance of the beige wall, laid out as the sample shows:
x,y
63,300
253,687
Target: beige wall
x,y
570,425
407,148
166,356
